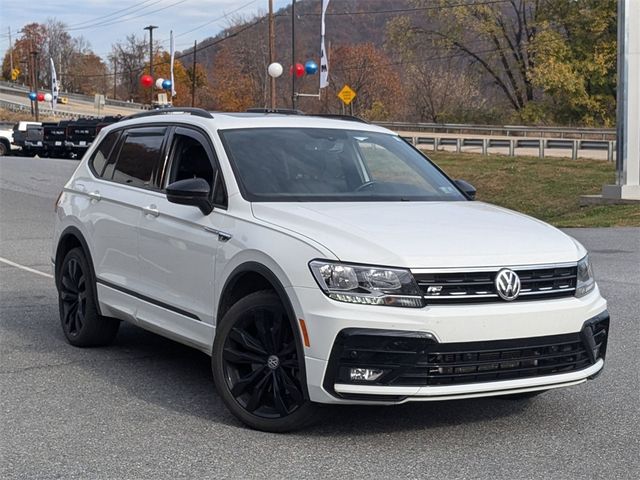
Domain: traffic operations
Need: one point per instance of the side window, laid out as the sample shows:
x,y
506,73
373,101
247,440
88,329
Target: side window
x,y
101,154
191,159
139,157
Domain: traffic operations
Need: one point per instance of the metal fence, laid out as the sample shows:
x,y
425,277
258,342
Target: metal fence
x,y
578,133
541,144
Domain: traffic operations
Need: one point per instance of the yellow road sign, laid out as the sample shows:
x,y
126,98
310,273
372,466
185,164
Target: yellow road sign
x,y
15,73
346,95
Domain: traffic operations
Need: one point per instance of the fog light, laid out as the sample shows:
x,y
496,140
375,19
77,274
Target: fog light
x,y
365,374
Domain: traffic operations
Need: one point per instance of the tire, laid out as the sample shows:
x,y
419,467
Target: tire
x,y
523,395
81,323
256,366
4,150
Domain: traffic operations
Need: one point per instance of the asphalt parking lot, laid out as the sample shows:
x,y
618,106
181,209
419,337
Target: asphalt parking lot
x,y
146,407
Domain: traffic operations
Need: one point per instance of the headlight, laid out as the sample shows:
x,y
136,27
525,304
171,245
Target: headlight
x,y
367,285
585,281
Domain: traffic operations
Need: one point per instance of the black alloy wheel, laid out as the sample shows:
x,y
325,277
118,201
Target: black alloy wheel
x,y
81,323
73,297
256,365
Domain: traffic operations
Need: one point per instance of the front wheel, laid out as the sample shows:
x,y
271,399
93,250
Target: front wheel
x,y
256,366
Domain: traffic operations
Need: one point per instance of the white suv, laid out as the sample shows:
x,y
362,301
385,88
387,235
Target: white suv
x,y
318,260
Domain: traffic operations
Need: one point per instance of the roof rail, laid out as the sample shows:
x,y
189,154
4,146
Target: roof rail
x,y
198,112
337,116
283,111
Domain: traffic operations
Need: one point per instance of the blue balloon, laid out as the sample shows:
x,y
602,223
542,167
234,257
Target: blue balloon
x,y
311,67
166,84
33,96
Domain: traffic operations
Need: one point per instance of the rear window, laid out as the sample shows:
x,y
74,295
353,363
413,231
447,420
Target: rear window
x,y
101,154
139,156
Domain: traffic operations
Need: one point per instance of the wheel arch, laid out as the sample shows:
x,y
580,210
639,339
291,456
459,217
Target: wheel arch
x,y
70,238
235,288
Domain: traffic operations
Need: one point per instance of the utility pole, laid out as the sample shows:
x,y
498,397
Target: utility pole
x,y
272,53
293,54
151,28
10,51
115,77
193,75
34,56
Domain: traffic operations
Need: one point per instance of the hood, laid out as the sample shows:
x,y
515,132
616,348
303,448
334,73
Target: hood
x,y
424,234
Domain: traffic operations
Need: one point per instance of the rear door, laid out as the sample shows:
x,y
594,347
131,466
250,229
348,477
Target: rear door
x,y
178,245
126,173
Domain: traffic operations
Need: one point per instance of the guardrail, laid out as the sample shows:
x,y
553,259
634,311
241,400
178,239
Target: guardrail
x,y
16,88
18,107
542,144
505,130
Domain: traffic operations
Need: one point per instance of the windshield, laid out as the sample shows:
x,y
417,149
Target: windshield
x,y
331,165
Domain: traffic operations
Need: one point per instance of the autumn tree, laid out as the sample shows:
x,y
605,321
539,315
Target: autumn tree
x,y
496,37
231,87
369,72
576,62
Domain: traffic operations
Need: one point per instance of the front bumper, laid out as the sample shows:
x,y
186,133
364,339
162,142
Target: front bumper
x,y
467,329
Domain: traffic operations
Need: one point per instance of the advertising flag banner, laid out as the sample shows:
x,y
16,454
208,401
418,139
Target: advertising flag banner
x,y
54,86
172,47
324,62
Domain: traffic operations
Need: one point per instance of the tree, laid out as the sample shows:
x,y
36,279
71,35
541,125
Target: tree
x,y
32,38
231,88
368,71
496,37
129,56
576,66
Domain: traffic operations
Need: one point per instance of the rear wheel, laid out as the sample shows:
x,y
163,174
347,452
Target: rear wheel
x,y
257,367
81,323
4,150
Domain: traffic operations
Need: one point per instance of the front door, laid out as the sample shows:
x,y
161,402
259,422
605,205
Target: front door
x,y
177,246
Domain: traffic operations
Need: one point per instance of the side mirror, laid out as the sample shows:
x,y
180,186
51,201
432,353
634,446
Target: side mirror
x,y
191,191
467,188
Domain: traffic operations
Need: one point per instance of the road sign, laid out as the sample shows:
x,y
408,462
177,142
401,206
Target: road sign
x,y
15,73
346,95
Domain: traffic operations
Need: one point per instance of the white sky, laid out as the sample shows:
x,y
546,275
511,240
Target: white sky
x,y
103,22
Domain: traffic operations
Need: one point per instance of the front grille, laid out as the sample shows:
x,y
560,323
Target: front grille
x,y
416,359
476,287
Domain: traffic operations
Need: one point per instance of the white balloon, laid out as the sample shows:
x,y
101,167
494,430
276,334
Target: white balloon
x,y
159,82
275,70
48,97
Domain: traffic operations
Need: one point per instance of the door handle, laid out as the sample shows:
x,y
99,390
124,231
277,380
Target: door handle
x,y
222,236
95,196
151,210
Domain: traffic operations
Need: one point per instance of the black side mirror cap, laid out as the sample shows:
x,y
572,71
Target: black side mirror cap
x,y
467,188
191,191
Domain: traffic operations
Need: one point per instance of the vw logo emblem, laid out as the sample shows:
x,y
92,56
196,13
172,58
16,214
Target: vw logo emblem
x,y
507,284
273,362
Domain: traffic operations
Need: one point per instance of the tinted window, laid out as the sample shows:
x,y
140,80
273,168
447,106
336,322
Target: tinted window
x,y
192,159
139,156
101,155
332,165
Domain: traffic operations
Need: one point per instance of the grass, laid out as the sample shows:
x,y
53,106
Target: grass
x,y
548,189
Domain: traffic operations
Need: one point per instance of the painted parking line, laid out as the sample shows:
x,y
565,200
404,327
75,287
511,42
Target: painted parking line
x,y
25,268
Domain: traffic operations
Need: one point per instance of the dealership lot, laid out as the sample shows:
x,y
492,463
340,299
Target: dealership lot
x,y
147,408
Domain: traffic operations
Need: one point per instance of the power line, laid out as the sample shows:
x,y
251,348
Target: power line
x,y
101,18
406,10
113,21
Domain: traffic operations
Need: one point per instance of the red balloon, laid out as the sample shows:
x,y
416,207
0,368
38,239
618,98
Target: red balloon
x,y
41,97
146,80
299,69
